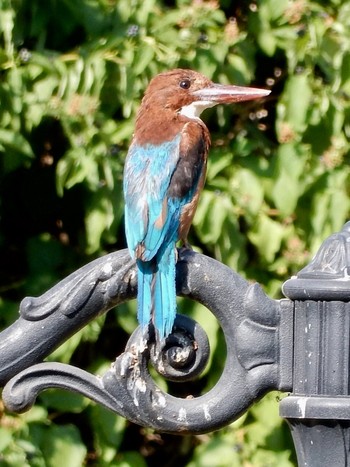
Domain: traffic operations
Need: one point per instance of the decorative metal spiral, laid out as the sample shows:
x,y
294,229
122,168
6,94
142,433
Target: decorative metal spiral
x,y
250,322
184,354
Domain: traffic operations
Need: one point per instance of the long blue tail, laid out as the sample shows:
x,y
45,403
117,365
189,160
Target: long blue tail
x,y
145,276
157,291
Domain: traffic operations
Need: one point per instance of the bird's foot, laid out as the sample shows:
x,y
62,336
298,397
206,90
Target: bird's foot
x,y
186,244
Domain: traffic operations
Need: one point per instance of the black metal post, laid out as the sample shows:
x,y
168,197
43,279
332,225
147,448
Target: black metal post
x,y
318,410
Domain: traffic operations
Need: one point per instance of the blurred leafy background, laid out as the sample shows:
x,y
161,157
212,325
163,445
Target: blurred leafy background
x,y
72,74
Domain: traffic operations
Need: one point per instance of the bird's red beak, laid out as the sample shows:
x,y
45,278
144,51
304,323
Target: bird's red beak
x,y
225,94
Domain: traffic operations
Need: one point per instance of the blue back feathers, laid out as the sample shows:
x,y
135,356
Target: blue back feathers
x,y
152,222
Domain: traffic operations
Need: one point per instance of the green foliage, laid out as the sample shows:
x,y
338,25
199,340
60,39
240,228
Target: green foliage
x,y
71,78
257,439
32,440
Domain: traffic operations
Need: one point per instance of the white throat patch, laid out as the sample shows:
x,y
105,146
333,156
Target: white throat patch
x,y
194,110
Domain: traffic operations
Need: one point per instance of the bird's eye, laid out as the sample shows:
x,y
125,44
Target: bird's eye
x,y
185,83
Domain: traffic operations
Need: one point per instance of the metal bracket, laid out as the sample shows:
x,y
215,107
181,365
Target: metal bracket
x,y
257,330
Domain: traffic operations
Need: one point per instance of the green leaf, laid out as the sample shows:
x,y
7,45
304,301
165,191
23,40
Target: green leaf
x,y
142,58
211,214
69,170
241,67
64,352
62,445
216,452
108,427
272,11
267,236
98,219
5,438
330,206
129,459
290,166
345,76
15,141
7,22
250,191
295,105
127,316
35,414
263,458
267,41
63,401
217,163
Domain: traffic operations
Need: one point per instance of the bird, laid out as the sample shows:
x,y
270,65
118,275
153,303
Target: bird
x,y
164,173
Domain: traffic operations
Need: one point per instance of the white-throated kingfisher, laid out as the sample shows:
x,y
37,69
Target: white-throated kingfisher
x,y
163,176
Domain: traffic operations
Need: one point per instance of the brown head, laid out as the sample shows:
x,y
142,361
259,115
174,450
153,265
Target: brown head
x,y
179,95
189,92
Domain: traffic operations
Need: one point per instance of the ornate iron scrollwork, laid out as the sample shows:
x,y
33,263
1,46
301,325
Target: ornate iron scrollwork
x,y
299,344
254,327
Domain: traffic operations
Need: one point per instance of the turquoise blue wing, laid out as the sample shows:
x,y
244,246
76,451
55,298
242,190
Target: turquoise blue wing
x,y
150,219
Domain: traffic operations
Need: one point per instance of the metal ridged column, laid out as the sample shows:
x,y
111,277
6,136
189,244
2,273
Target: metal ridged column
x,y
318,410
